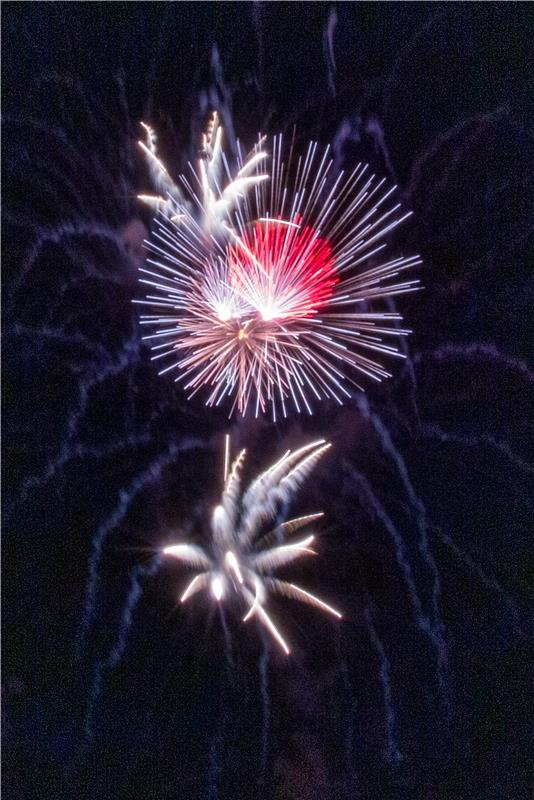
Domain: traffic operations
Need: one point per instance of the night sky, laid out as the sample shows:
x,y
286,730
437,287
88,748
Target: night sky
x,y
110,688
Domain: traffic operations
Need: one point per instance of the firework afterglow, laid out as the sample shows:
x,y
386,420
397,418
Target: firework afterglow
x,y
241,557
261,280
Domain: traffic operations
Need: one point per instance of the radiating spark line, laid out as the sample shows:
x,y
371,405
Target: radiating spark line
x,y
252,610
316,600
190,588
233,563
265,618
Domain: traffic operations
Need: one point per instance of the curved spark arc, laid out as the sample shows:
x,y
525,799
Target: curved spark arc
x,y
240,560
261,286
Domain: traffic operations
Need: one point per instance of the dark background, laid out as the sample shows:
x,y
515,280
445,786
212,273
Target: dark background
x,y
110,690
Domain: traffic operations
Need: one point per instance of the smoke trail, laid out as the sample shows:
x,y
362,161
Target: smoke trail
x,y
75,452
151,474
219,97
227,639
435,432
69,230
128,356
116,652
488,581
392,754
478,122
423,543
257,21
69,449
367,496
266,711
214,767
57,335
349,689
328,49
375,129
472,352
420,33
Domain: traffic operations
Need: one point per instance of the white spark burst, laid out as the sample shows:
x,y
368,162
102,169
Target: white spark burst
x,y
241,558
260,282
206,198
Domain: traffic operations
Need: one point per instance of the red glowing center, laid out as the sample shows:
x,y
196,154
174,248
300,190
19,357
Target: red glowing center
x,y
282,270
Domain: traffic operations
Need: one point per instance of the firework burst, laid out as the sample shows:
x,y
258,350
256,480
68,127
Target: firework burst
x,y
261,279
241,559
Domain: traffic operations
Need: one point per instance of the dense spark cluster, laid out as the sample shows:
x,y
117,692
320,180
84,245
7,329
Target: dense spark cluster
x,y
261,279
241,558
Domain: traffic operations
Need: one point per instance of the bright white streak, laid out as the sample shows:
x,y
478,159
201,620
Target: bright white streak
x,y
233,563
226,456
217,587
189,588
316,600
267,621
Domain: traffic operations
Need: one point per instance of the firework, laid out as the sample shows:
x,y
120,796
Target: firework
x,y
260,281
238,566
